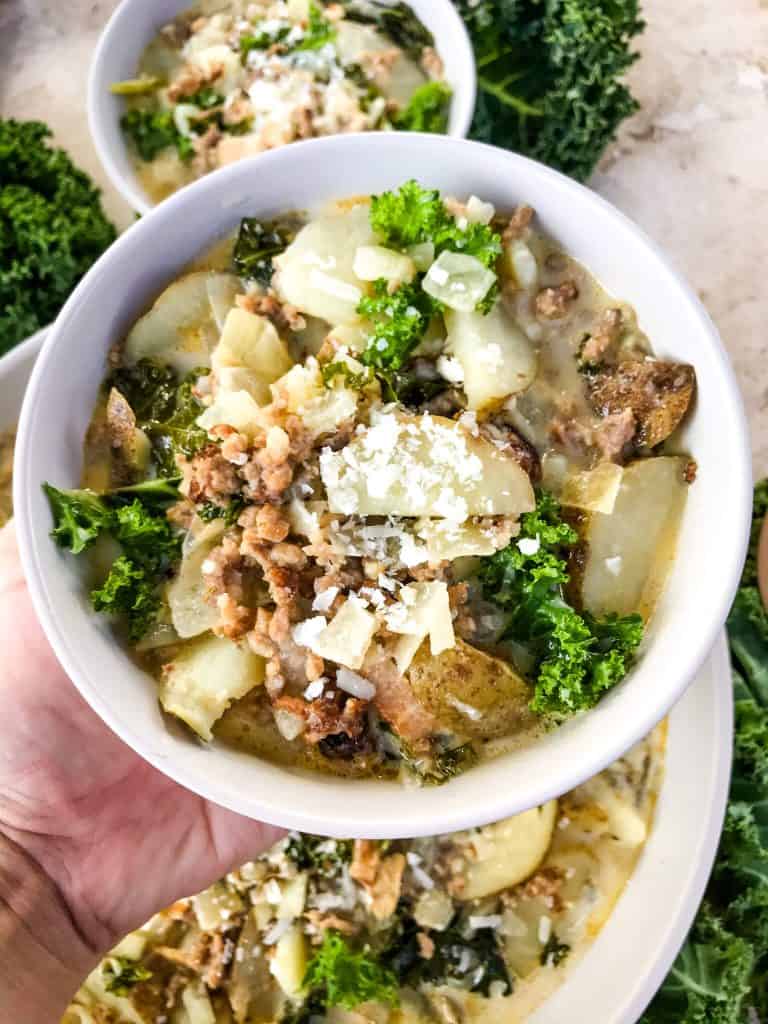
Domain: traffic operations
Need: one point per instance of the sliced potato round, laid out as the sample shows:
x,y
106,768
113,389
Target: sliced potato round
x,y
497,358
509,852
631,550
423,466
251,342
470,692
205,677
316,272
191,614
181,328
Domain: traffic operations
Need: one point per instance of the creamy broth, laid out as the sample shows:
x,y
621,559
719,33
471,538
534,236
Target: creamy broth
x,y
542,913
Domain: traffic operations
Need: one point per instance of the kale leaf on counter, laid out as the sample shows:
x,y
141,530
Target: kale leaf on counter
x,y
577,657
550,76
720,975
52,228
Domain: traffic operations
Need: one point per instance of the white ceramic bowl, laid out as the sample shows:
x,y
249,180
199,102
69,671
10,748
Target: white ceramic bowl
x,y
136,22
155,250
15,371
634,951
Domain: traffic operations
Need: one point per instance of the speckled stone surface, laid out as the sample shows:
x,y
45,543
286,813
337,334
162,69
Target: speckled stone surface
x,y
691,168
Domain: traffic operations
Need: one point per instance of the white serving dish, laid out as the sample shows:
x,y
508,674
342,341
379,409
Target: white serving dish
x,y
621,972
136,22
633,953
15,370
688,619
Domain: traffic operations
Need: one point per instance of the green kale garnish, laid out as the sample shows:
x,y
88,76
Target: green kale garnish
x,y
427,109
337,975
331,372
398,21
121,974
441,764
206,98
261,40
399,322
473,961
150,548
550,76
325,857
555,952
230,513
152,131
162,492
319,32
165,409
413,215
52,228
577,657
720,975
257,244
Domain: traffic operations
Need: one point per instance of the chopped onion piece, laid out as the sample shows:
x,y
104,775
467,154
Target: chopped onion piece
x,y
458,281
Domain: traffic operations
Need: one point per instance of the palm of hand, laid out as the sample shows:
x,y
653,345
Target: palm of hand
x,y
118,838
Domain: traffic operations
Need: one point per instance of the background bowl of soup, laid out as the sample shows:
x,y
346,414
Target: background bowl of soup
x,y
136,23
701,583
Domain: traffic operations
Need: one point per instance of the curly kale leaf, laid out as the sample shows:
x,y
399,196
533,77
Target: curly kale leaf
x,y
473,962
165,409
398,21
427,109
314,853
121,975
577,657
550,76
80,517
262,40
319,32
150,548
52,228
414,215
338,975
257,244
399,321
152,131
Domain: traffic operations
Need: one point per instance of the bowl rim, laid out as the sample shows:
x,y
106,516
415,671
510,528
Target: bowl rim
x,y
118,29
713,688
302,813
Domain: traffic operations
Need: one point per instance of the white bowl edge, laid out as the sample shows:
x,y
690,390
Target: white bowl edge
x,y
562,759
135,22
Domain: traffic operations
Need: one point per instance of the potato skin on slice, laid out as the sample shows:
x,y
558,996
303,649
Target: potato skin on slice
x,y
496,697
658,393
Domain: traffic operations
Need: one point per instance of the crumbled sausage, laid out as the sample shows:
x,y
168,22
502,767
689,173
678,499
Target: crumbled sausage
x,y
615,433
207,476
519,224
605,335
657,392
554,303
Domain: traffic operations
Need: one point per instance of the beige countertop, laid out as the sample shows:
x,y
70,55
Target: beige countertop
x,y
691,168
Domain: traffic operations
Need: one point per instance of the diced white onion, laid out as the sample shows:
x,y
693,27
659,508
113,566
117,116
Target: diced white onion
x,y
355,685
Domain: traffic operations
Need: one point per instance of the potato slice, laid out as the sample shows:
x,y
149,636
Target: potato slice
x,y
206,676
657,392
509,852
191,614
423,466
632,550
470,692
236,409
315,273
251,342
497,358
289,964
594,490
181,328
346,639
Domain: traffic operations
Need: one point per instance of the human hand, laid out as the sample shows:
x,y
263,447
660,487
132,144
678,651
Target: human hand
x,y
116,839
